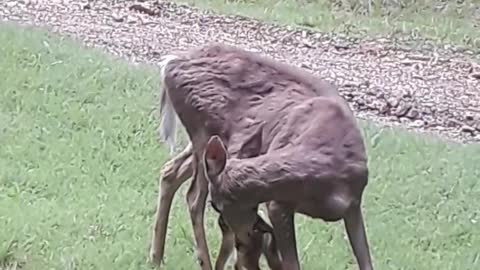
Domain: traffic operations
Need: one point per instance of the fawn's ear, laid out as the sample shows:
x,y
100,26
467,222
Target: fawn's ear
x,y
253,144
215,156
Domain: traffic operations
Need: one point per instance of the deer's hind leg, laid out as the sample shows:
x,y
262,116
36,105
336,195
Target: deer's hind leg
x,y
173,174
357,236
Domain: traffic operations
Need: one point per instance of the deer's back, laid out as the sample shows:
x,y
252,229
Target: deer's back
x,y
225,90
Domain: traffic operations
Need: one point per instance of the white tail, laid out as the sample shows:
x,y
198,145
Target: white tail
x,y
168,116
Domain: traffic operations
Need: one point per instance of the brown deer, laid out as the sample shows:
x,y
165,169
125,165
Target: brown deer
x,y
174,174
305,153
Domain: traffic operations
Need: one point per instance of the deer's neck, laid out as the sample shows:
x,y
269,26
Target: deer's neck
x,y
260,179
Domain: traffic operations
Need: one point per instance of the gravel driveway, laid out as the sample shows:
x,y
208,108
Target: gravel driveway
x,y
430,88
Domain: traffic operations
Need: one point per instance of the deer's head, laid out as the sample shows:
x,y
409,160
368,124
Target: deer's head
x,y
218,164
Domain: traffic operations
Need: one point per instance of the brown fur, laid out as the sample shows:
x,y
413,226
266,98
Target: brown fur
x,y
265,132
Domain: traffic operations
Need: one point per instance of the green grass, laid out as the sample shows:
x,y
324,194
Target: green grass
x,y
79,159
455,23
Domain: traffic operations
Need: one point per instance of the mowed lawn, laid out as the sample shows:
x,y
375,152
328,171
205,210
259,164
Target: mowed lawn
x,y
79,161
456,22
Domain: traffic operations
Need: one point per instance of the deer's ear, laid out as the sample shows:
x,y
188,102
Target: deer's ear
x,y
252,146
215,156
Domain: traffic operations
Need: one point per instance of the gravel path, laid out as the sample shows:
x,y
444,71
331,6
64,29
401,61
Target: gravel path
x,y
427,89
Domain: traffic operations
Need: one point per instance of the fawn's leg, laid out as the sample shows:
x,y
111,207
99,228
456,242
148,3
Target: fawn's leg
x,y
248,253
269,246
196,200
261,241
228,243
174,174
282,218
357,236
270,250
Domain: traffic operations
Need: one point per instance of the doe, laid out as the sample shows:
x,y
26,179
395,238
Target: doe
x,y
305,153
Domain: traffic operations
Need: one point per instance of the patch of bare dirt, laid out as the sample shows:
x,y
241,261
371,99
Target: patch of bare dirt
x,y
422,87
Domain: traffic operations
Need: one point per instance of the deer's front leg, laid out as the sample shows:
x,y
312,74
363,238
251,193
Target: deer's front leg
x,y
282,218
196,200
174,174
357,236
